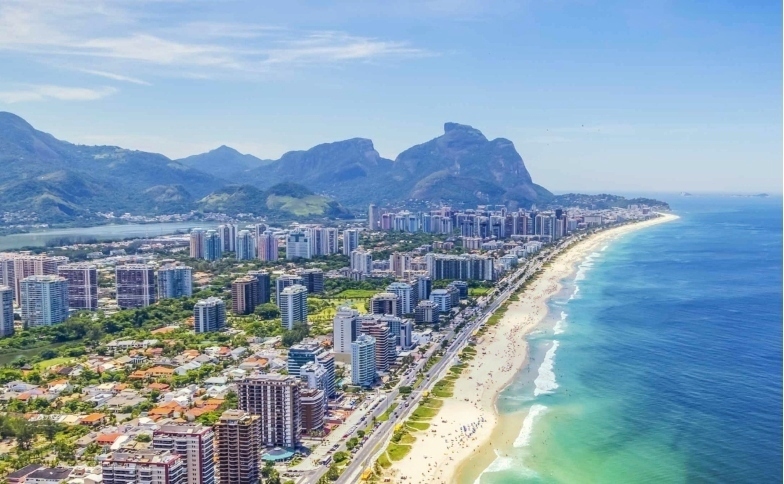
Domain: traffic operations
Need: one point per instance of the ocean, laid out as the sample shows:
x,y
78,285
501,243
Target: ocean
x,y
661,359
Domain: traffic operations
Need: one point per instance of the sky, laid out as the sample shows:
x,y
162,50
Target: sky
x,y
596,95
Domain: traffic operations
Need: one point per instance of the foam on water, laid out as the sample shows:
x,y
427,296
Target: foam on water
x,y
604,248
558,328
524,437
545,380
505,464
574,294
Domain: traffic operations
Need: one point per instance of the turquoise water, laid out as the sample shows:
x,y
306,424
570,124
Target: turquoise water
x,y
661,361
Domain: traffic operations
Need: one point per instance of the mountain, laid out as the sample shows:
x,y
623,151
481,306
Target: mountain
x,y
223,162
281,201
50,180
350,170
58,180
462,166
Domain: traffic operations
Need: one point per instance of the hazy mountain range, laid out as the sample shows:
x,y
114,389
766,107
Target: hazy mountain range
x,y
60,181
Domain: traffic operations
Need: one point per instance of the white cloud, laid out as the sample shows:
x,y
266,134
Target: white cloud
x,y
62,93
88,34
116,77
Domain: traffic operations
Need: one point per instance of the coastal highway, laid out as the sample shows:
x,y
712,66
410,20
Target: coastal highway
x,y
378,439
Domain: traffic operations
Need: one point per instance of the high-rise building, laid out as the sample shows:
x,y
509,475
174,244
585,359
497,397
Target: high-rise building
x,y
426,312
302,353
313,279
327,360
406,294
244,246
293,304
443,300
259,229
194,444
373,217
385,343
35,265
244,295
228,236
423,285
263,282
462,288
267,246
276,399
213,247
82,285
7,274
361,261
345,328
323,240
6,311
462,267
134,285
284,281
399,264
197,244
44,300
238,445
363,361
297,245
209,315
350,240
386,303
400,329
143,465
312,401
175,282
314,375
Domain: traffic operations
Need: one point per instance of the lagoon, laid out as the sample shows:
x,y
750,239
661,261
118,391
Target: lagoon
x,y
101,233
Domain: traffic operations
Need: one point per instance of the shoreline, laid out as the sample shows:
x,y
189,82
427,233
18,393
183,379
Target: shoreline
x,y
461,442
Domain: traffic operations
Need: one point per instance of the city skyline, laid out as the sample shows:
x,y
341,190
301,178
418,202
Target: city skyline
x,y
691,102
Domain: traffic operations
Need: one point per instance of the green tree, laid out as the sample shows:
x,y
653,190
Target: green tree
x,y
267,311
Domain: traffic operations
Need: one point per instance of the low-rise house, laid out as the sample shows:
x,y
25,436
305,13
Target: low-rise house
x,y
48,475
93,420
20,386
126,398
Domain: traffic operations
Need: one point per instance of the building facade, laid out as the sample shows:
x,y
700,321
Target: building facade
x,y
244,295
194,444
134,285
209,315
293,304
82,285
276,400
363,361
238,447
175,282
6,311
298,246
44,300
345,329
148,466
245,248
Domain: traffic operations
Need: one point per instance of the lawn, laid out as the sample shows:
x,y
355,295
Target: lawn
x,y
384,462
418,425
46,364
356,294
478,291
398,451
424,413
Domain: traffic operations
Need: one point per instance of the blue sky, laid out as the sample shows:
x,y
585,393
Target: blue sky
x,y
596,95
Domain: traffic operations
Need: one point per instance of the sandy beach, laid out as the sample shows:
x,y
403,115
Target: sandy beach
x,y
468,421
